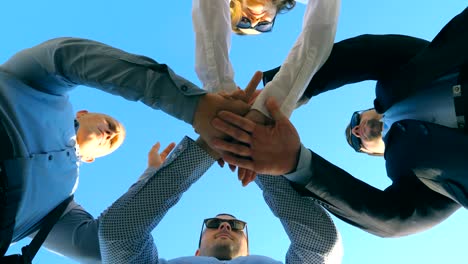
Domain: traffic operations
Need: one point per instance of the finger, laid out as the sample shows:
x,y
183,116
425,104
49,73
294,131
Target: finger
x,y
167,150
252,86
240,162
241,174
155,148
249,177
221,163
233,147
231,130
274,109
237,120
232,167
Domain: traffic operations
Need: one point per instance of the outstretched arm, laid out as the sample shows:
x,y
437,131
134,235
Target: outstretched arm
x,y
125,227
406,207
361,58
58,65
308,54
212,27
314,237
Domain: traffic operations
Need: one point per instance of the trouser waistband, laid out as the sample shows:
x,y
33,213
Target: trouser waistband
x,y
460,98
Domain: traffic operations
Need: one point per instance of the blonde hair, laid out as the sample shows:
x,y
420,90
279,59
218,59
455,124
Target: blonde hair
x,y
282,6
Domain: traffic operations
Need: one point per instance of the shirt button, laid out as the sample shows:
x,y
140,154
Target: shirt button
x,y
71,142
184,88
51,157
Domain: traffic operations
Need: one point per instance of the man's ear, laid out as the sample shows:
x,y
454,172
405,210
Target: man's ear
x,y
87,159
81,113
197,253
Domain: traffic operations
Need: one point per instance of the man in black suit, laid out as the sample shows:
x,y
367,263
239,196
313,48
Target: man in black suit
x,y
420,94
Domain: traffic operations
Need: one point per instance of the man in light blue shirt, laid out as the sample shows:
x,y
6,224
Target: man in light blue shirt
x,y
39,155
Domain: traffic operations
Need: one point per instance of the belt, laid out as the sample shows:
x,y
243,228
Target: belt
x,y
460,99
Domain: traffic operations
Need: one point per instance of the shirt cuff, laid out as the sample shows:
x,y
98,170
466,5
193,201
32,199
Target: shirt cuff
x,y
303,173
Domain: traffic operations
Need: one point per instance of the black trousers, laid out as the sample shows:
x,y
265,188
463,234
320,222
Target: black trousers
x,y
8,200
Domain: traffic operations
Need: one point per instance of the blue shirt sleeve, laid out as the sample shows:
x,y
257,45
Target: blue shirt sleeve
x,y
58,65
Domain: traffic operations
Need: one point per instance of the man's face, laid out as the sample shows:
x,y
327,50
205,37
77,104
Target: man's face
x,y
369,131
257,12
98,135
223,242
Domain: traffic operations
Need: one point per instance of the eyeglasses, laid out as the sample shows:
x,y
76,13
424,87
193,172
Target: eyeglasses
x,y
214,223
262,26
354,141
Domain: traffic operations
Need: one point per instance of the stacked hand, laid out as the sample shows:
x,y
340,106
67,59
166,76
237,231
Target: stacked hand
x,y
210,104
267,149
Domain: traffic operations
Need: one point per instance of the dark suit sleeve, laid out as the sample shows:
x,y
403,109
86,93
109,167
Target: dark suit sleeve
x,y
447,51
365,57
406,207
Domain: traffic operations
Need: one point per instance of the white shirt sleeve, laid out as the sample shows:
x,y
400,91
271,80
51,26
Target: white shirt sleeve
x,y
308,54
212,27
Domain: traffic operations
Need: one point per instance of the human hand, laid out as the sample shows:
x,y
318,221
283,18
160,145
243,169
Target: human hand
x,y
267,149
210,104
248,95
156,159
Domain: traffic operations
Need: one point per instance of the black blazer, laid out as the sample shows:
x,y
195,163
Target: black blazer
x,y
413,148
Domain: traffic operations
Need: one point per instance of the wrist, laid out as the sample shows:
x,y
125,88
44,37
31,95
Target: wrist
x,y
202,144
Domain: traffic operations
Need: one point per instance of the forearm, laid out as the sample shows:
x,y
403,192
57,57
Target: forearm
x,y
404,208
305,58
75,236
361,58
130,220
314,237
58,65
212,27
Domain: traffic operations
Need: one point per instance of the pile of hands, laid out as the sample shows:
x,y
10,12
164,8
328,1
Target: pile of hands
x,y
231,132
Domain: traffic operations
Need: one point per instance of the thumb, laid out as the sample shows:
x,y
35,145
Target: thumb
x,y
274,109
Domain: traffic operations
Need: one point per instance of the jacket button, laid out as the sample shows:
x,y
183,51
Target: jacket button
x,y
184,88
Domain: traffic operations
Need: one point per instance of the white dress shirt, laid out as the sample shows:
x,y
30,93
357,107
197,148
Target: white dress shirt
x,y
212,26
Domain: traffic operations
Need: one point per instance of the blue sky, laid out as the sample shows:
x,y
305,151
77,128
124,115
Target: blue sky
x,y
163,30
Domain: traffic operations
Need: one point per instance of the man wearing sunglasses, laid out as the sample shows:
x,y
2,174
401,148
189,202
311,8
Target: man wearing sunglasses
x,y
125,227
214,22
417,125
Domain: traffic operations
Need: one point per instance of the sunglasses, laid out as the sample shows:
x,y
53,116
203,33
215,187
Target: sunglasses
x,y
354,141
214,223
262,26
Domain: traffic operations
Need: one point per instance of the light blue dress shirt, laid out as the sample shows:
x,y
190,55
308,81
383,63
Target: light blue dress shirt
x,y
38,117
125,227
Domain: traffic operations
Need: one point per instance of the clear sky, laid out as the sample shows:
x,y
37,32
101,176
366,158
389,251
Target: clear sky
x,y
163,30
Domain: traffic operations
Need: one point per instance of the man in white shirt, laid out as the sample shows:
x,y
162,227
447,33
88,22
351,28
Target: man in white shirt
x,y
212,26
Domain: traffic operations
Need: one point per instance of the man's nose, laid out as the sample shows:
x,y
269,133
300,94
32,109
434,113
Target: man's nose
x,y
110,134
356,131
254,21
224,225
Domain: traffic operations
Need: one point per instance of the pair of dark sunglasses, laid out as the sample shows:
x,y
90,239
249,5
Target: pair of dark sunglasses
x,y
354,141
262,26
214,223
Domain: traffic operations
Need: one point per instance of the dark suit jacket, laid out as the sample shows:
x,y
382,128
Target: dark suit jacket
x,y
425,168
